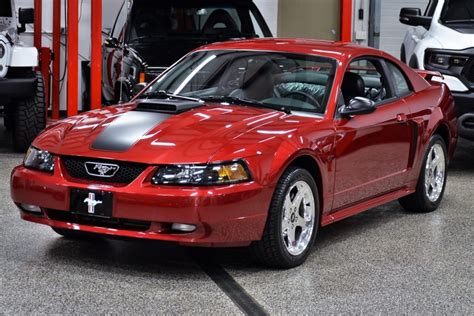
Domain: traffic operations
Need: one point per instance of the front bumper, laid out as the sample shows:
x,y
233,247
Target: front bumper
x,y
464,103
224,216
17,87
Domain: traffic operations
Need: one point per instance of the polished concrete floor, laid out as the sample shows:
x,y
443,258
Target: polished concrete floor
x,y
382,261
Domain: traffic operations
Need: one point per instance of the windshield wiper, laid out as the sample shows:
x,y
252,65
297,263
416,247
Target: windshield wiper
x,y
163,94
247,102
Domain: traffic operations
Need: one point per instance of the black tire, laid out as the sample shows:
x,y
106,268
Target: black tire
x,y
419,202
30,117
73,234
414,62
271,250
9,118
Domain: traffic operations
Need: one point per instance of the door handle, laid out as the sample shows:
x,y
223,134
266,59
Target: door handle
x,y
402,118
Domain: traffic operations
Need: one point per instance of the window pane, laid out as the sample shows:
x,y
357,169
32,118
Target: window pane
x,y
373,83
401,83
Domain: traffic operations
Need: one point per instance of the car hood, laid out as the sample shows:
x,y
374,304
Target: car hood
x,y
452,39
124,133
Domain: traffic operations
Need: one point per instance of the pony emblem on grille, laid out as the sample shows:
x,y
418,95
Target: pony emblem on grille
x,y
103,170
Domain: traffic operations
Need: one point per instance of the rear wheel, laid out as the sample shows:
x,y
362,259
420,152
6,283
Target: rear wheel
x,y
30,117
292,223
432,180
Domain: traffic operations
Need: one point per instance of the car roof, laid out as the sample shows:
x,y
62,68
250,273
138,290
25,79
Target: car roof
x,y
332,49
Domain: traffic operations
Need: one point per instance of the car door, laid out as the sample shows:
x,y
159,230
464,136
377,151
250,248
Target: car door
x,y
372,150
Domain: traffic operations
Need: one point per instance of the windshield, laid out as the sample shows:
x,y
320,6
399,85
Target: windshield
x,y
157,19
279,80
458,11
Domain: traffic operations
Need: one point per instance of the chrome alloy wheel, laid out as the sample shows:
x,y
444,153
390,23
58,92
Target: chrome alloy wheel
x,y
435,173
298,218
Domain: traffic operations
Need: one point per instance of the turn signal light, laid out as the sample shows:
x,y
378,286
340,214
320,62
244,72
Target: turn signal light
x,y
142,77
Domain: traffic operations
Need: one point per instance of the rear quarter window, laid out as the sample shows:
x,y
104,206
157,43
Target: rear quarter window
x,y
402,86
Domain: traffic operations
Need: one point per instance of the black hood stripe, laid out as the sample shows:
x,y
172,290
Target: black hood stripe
x,y
127,130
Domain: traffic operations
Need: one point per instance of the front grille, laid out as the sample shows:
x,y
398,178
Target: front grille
x,y
468,71
127,172
114,223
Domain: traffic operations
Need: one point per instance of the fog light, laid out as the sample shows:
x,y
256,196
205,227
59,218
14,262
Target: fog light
x,y
30,208
183,227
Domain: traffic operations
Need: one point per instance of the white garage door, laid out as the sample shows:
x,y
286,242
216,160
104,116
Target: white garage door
x,y
392,31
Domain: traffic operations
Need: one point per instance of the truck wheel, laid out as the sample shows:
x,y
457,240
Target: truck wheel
x,y
9,119
30,117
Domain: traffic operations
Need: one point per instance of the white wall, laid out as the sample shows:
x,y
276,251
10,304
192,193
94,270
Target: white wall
x,y
361,27
269,10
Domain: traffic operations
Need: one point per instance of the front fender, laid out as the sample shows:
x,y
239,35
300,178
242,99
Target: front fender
x,y
24,57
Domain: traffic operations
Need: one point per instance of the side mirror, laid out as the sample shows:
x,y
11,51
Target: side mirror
x,y
112,42
358,106
138,88
25,16
413,17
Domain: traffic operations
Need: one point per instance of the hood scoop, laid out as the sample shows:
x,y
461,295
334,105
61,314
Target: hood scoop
x,y
167,106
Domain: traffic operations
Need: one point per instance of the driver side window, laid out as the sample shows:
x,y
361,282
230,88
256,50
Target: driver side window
x,y
365,78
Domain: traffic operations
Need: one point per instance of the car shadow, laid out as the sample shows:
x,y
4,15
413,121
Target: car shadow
x,y
6,145
123,256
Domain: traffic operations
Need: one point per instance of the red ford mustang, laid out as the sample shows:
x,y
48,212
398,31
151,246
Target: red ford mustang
x,y
254,143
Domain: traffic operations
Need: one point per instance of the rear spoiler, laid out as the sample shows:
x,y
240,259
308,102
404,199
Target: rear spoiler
x,y
429,75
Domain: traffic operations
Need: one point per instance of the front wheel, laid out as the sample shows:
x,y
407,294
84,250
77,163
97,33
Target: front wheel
x,y
292,222
432,181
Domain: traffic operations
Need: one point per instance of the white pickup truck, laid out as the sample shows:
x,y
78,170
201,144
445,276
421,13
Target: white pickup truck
x,y
21,87
442,39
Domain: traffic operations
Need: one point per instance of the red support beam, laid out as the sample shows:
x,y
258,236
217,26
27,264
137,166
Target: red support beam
x,y
72,56
96,54
55,90
346,20
38,26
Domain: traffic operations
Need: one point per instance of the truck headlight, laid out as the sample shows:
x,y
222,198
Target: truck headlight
x,y
440,60
202,175
39,160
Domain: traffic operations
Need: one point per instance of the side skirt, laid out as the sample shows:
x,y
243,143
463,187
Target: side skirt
x,y
364,206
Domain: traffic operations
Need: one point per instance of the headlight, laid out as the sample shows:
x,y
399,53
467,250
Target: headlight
x,y
212,174
2,50
39,160
441,60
